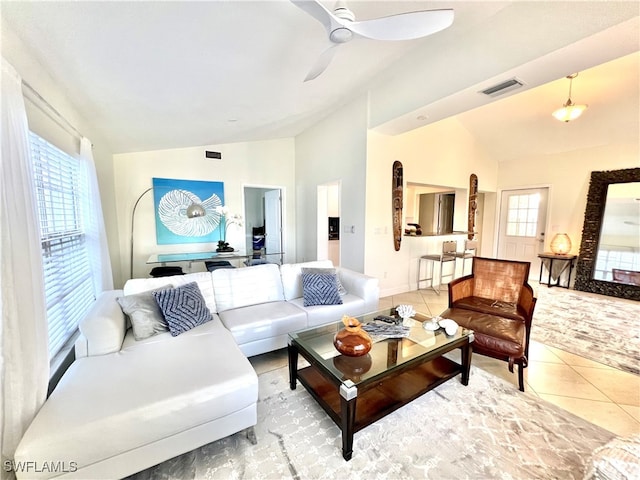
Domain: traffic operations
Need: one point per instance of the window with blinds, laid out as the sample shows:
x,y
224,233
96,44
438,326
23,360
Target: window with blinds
x,y
61,189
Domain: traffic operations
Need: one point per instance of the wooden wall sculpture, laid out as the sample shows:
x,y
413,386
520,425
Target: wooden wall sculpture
x,y
396,204
473,205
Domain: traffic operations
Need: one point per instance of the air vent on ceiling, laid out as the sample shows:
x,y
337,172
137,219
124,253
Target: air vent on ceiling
x,y
503,87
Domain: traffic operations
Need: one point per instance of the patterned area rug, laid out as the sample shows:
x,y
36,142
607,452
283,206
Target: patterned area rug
x,y
486,430
600,328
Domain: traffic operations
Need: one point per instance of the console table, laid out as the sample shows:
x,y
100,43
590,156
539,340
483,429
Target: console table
x,y
194,257
556,265
164,258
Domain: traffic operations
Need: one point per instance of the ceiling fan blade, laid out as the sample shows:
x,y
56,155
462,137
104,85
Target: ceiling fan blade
x,y
404,26
322,63
317,11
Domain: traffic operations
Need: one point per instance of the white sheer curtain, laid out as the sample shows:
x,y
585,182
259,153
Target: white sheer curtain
x,y
95,231
24,356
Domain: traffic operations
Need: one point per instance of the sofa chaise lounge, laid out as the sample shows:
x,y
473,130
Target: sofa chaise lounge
x,y
125,404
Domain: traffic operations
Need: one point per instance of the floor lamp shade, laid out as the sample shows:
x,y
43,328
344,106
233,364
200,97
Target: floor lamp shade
x,y
561,244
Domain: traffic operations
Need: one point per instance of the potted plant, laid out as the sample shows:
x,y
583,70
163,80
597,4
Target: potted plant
x,y
226,220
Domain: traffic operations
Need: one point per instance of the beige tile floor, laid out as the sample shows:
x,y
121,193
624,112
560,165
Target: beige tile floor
x,y
600,394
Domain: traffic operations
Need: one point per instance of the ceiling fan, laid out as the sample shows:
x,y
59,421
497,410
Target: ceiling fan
x,y
342,27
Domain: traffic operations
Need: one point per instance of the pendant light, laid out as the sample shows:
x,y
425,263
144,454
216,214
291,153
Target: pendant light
x,y
569,111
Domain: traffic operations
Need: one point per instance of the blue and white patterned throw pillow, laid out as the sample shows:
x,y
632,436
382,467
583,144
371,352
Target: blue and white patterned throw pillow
x,y
183,307
320,289
341,290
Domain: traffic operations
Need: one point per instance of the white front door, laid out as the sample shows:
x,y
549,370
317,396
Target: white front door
x,y
273,222
523,216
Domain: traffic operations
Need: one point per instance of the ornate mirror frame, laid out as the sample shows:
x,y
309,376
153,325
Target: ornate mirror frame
x,y
594,211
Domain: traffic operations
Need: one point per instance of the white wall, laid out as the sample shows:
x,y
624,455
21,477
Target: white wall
x,y
333,200
568,174
334,150
439,154
260,163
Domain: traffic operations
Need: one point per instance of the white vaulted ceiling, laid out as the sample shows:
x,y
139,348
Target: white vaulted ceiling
x,y
157,75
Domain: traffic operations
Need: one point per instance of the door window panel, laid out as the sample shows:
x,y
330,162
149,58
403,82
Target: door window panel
x,y
522,216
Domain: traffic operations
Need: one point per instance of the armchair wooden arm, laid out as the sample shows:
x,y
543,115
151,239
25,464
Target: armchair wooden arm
x,y
526,304
460,288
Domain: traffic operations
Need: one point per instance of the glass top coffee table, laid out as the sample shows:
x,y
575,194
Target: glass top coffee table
x,y
357,391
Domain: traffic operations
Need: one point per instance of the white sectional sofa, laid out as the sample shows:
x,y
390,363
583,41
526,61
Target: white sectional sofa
x,y
126,404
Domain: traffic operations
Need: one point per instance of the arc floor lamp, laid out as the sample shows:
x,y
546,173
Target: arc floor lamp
x,y
194,210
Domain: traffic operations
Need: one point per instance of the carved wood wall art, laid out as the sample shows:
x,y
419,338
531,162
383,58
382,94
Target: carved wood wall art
x,y
396,203
473,205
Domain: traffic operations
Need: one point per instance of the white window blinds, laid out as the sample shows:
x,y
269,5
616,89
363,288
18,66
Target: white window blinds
x,y
60,189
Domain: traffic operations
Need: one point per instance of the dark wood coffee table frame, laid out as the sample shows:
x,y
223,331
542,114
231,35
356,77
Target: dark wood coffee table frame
x,y
353,407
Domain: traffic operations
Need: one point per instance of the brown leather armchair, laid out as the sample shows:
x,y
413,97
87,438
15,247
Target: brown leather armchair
x,y
497,303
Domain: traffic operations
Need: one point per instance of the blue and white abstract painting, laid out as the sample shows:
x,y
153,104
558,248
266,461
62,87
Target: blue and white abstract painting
x,y
172,198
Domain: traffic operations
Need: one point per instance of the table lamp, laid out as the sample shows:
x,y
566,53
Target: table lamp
x,y
561,244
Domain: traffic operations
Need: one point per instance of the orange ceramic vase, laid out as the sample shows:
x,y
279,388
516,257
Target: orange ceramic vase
x,y
352,341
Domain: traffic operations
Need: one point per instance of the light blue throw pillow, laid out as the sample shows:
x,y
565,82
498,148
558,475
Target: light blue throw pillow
x,y
320,289
183,307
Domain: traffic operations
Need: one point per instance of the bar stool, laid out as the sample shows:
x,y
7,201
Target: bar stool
x,y
448,255
470,248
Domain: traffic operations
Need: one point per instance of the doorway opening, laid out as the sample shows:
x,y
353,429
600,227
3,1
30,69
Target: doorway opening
x,y
263,224
328,226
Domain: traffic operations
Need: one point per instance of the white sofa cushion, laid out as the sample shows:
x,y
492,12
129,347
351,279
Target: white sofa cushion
x,y
103,327
265,320
208,328
107,405
203,279
362,286
292,276
321,314
241,287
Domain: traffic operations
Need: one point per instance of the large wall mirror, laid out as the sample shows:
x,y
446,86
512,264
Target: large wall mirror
x,y
609,262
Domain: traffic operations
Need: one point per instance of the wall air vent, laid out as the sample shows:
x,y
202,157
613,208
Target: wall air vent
x,y
503,87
